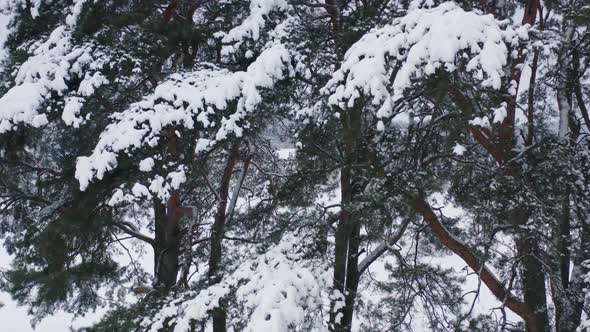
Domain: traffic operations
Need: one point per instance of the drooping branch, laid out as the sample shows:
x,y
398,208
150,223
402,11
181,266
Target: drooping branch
x,y
42,170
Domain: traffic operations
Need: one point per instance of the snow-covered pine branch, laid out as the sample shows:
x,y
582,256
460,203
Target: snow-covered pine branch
x,y
54,63
418,44
187,100
275,291
251,26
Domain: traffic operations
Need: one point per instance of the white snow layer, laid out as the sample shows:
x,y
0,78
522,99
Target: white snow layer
x,y
252,24
52,64
277,291
422,42
182,100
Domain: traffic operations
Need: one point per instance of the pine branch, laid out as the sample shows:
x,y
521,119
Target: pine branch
x,y
124,227
487,277
382,248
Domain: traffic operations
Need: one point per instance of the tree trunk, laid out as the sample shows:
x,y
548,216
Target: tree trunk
x,y
352,275
533,279
347,238
533,275
346,279
566,81
167,243
217,232
577,283
560,281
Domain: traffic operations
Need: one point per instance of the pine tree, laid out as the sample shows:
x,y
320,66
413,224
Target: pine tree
x,y
296,165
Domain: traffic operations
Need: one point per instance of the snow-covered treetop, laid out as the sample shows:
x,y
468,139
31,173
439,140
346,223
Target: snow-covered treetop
x,y
420,43
184,100
59,66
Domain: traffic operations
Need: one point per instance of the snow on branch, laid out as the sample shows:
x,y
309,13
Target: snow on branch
x,y
52,65
276,291
252,24
418,44
35,6
184,100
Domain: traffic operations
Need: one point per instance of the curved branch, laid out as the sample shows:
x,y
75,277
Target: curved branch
x,y
382,248
124,227
487,277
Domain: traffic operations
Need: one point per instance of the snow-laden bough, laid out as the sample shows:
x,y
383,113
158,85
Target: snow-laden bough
x,y
418,44
183,100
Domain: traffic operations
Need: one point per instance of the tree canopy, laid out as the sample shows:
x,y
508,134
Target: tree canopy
x,y
292,165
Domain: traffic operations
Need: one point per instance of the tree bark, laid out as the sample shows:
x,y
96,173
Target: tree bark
x,y
566,81
560,282
347,238
167,243
533,282
346,248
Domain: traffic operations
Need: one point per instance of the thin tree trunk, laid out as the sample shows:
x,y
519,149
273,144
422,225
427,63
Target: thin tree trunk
x,y
531,101
561,292
564,298
236,192
565,87
217,232
352,275
533,276
159,237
